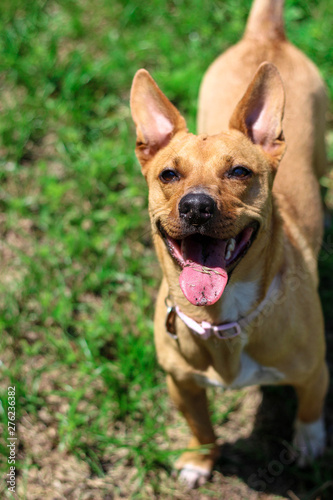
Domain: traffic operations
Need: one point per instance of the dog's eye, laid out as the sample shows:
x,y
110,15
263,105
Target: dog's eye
x,y
169,175
239,172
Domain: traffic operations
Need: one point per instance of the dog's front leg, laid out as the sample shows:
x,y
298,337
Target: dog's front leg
x,y
195,466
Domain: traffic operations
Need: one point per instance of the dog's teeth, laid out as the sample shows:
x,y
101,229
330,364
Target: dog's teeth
x,y
228,255
231,245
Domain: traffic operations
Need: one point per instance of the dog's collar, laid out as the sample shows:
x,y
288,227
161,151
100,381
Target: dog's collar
x,y
223,331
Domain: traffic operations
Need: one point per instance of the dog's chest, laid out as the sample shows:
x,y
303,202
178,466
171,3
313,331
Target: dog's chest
x,y
250,373
238,300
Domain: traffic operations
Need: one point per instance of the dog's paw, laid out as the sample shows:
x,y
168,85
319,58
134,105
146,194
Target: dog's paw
x,y
193,476
309,441
195,466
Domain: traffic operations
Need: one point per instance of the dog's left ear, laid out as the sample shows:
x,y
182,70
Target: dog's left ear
x,y
156,118
259,113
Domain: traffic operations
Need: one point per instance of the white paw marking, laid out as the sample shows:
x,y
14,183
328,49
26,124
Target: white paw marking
x,y
193,476
309,441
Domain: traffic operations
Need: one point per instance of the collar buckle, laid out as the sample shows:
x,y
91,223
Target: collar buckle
x,y
224,328
208,330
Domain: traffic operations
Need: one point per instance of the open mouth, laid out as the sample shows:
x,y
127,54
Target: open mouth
x,y
206,262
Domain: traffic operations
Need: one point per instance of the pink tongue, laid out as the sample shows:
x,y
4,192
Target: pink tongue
x,y
203,278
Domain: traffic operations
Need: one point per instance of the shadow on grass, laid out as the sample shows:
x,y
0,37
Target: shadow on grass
x,y
262,460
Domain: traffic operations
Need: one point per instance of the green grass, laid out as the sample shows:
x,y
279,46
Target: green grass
x,y
78,275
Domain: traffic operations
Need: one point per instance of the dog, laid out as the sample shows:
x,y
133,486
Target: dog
x,y
236,219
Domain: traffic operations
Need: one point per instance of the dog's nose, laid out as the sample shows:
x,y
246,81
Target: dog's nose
x,y
196,208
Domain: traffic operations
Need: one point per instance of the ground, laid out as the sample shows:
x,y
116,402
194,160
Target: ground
x,y
78,274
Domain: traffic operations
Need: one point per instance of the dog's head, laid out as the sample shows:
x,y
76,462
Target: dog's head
x,y
209,196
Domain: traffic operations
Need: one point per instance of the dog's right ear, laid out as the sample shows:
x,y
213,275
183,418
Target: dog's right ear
x,y
156,119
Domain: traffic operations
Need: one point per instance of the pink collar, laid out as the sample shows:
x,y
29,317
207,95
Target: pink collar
x,y
205,329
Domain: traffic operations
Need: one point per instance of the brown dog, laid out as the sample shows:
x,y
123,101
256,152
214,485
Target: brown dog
x,y
237,232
